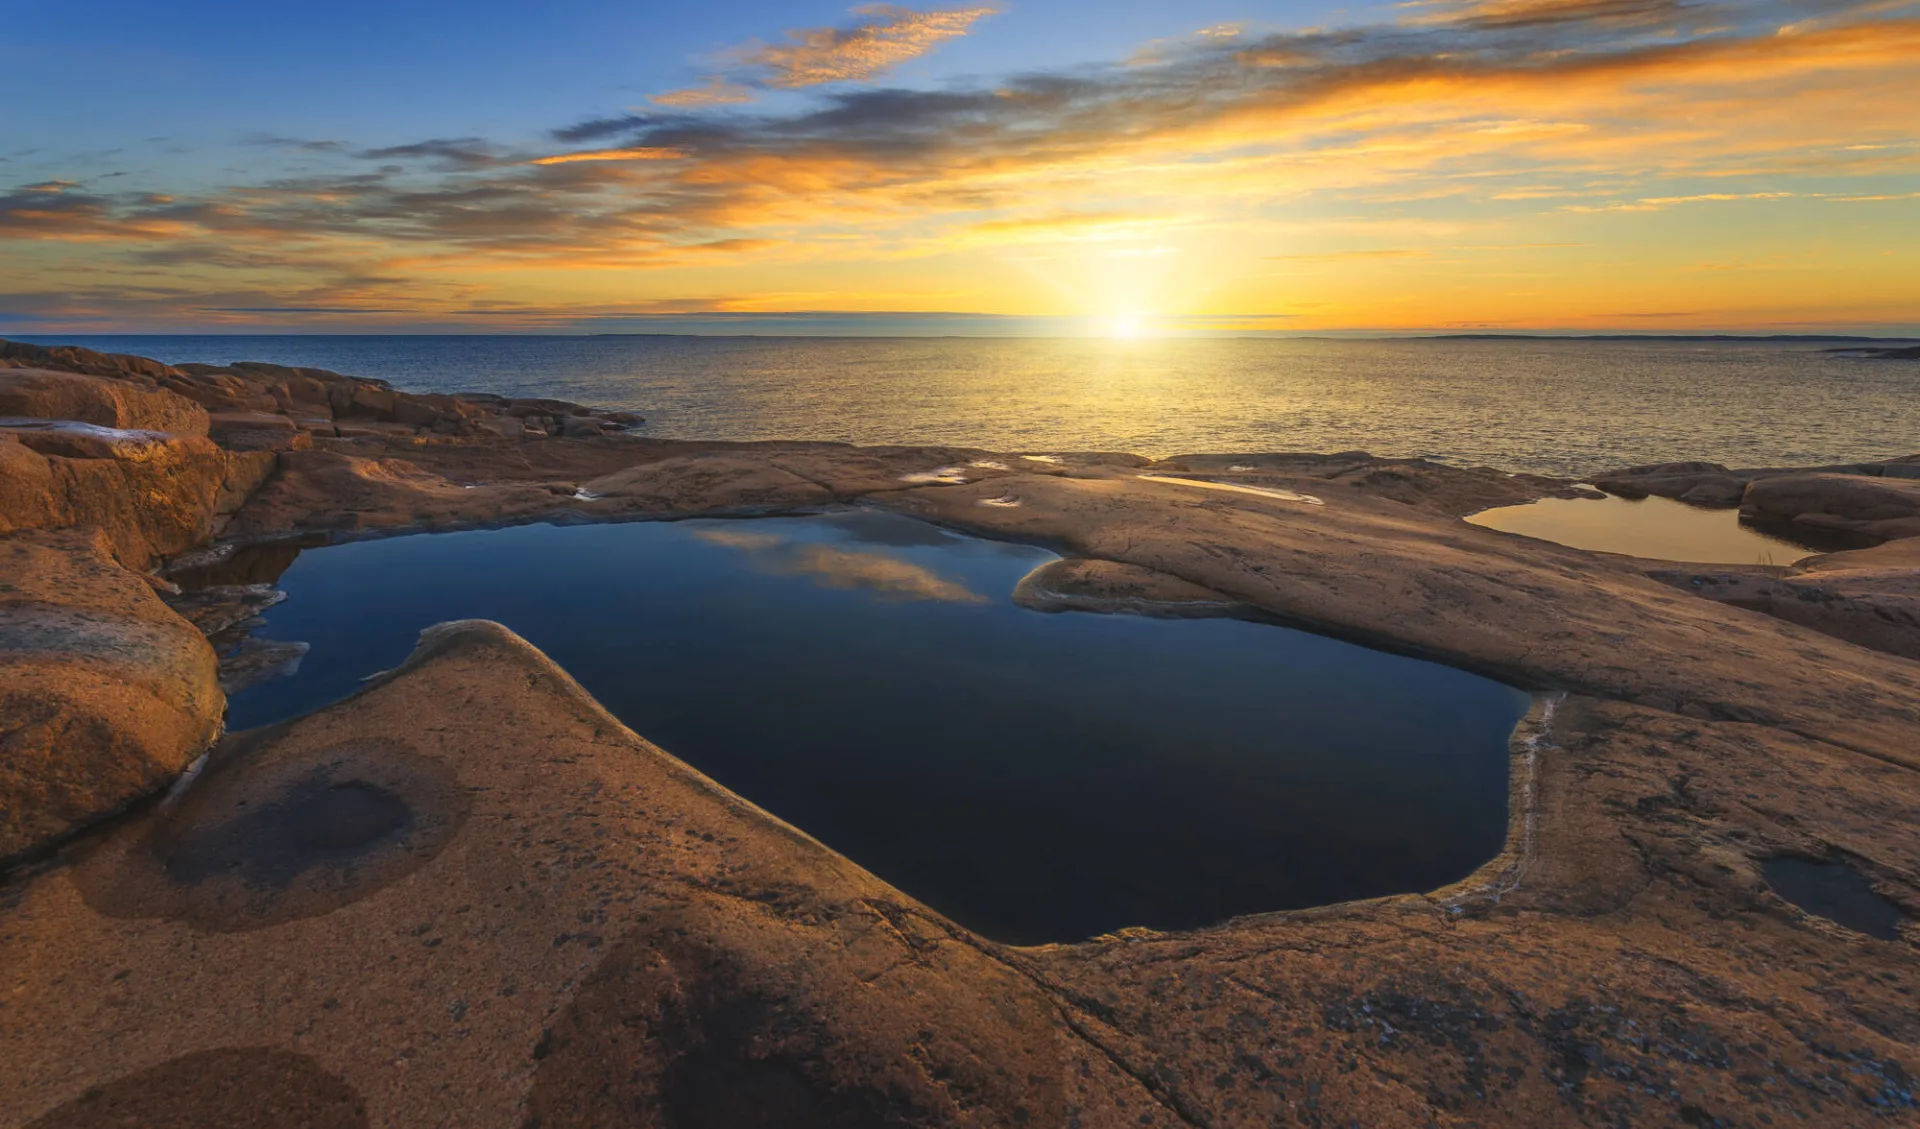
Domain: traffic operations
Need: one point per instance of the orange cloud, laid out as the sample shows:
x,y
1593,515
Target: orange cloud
x,y
639,153
887,37
717,91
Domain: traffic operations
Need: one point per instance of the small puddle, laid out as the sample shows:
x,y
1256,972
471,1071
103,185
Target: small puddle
x,y
1835,891
868,678
1652,528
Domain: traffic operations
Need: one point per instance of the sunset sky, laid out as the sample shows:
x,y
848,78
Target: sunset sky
x,y
1022,166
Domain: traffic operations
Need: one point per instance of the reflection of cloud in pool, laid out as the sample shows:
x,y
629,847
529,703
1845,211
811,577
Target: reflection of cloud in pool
x,y
874,528
739,539
874,572
844,568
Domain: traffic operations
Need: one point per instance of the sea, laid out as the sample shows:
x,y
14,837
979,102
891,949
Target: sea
x,y
1560,406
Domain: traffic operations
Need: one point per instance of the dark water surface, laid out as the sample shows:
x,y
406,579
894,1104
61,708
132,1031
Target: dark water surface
x,y
1038,777
1570,407
1835,891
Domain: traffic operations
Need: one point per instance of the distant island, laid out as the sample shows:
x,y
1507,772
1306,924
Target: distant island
x,y
1882,353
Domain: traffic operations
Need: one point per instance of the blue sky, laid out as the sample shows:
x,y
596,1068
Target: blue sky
x,y
94,75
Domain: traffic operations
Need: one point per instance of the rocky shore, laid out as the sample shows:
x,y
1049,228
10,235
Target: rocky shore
x,y
469,896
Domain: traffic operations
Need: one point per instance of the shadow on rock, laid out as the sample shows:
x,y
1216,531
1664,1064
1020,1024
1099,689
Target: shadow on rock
x,y
259,840
236,1088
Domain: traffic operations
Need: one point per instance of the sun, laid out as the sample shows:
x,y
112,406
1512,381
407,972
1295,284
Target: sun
x,y
1127,327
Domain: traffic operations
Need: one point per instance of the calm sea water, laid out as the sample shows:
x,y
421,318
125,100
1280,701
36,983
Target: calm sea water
x,y
1037,776
1550,406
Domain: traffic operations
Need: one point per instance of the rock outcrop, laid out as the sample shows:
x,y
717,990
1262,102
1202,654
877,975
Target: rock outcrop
x,y
1878,507
105,693
41,394
1711,484
255,405
152,494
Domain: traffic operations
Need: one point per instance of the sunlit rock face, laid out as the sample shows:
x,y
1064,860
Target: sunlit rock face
x,y
105,693
105,402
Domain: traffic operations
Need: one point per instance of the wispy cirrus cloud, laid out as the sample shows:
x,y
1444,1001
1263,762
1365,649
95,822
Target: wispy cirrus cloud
x,y
883,37
715,91
1530,13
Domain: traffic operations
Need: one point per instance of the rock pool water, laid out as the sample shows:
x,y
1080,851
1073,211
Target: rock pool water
x,y
1835,891
1658,529
1038,777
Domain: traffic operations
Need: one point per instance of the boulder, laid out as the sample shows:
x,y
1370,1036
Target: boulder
x,y
42,394
1703,484
105,693
506,427
1876,506
536,406
364,400
582,427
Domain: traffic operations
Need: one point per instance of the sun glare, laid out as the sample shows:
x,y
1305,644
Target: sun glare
x,y
1127,327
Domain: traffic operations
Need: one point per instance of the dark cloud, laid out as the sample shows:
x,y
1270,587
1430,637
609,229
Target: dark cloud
x,y
298,144
449,153
301,310
599,129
